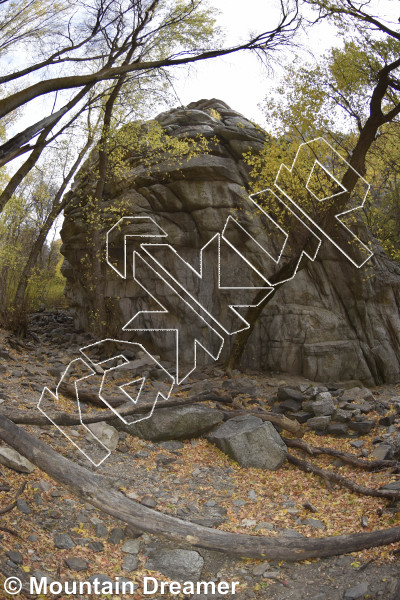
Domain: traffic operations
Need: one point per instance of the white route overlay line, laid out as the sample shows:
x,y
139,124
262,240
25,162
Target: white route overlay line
x,y
100,394
337,217
128,235
56,396
311,257
268,289
164,310
121,387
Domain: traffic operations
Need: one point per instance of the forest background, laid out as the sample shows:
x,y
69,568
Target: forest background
x,y
76,75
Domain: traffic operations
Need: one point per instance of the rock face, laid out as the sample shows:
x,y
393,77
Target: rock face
x,y
332,322
250,442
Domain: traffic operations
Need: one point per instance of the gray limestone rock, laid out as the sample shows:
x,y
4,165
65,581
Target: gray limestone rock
x,y
319,423
178,564
63,541
250,442
13,460
176,423
107,434
323,405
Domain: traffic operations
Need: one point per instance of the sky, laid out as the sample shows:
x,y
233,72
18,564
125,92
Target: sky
x,y
241,80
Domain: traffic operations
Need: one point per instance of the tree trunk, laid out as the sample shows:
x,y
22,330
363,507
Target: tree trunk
x,y
58,206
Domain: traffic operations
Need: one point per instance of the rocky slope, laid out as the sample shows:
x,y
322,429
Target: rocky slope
x,y
64,539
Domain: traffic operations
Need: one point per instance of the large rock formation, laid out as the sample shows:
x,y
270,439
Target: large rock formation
x,y
331,322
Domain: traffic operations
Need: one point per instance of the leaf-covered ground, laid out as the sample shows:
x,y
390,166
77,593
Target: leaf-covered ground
x,y
189,481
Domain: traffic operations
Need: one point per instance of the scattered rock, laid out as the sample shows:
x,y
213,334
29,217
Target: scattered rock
x,y
315,523
250,442
341,416
107,434
96,546
266,525
318,423
42,485
260,569
211,516
149,501
291,533
288,393
308,506
101,531
176,423
364,521
63,541
290,405
13,460
23,506
43,575
130,563
271,574
337,429
357,394
131,546
356,592
388,420
301,416
323,405
382,452
361,427
178,564
76,563
357,444
15,556
116,535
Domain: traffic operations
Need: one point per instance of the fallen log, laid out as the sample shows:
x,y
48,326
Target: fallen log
x,y
367,465
91,487
281,421
69,420
115,400
92,395
308,467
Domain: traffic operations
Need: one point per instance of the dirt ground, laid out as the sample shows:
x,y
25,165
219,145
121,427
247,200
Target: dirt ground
x,y
192,480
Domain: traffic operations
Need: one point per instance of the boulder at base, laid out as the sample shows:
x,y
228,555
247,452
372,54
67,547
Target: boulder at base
x,y
250,442
176,423
107,434
13,460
